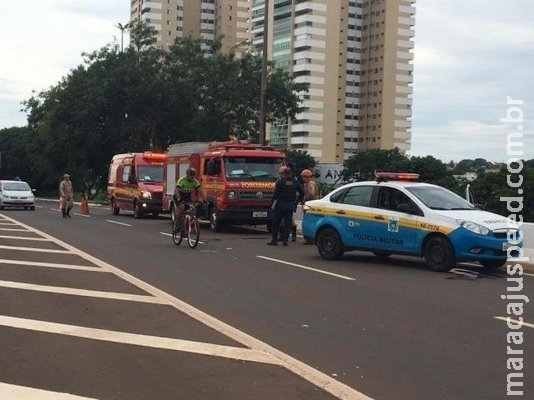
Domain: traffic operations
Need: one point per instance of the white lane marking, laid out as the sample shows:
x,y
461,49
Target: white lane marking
x,y
118,223
308,268
312,375
15,392
136,339
168,234
23,238
82,215
53,265
12,230
527,274
516,322
83,292
35,249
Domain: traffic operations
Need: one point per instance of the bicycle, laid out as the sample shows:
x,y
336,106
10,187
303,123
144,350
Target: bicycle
x,y
188,227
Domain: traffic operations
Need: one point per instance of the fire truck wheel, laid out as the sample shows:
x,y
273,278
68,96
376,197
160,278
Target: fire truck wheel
x,y
215,224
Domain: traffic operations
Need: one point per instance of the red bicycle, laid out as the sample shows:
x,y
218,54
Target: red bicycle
x,y
188,227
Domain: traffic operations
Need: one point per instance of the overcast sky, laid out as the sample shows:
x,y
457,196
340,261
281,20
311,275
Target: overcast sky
x,y
469,56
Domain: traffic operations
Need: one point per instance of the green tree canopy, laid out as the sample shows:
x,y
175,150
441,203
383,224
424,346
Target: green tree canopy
x,y
146,98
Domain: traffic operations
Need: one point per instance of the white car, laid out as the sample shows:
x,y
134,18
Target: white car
x,y
397,215
16,194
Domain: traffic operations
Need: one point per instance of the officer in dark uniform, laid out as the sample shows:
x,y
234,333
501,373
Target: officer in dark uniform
x,y
287,194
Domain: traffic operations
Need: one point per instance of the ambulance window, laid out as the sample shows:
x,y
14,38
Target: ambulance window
x,y
126,173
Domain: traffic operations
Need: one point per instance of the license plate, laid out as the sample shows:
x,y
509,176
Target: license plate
x,y
259,214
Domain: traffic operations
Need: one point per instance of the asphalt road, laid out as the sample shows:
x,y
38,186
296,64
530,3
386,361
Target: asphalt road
x,y
107,307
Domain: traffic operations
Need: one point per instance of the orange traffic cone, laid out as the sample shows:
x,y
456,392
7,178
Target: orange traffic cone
x,y
84,206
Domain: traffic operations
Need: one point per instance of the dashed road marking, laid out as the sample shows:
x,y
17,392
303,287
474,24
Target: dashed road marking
x,y
516,321
117,222
348,278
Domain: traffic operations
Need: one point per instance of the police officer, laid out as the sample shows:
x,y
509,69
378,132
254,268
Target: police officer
x,y
287,194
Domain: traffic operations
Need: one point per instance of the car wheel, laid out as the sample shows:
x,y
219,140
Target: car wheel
x,y
493,264
329,244
32,208
114,209
439,254
137,211
215,224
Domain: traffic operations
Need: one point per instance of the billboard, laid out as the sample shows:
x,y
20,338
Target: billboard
x,y
328,173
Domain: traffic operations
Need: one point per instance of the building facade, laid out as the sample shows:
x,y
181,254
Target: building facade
x,y
355,57
203,19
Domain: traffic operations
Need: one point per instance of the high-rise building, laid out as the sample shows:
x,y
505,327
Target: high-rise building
x,y
355,56
205,19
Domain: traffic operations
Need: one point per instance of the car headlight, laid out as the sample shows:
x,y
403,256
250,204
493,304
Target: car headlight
x,y
473,227
146,195
232,195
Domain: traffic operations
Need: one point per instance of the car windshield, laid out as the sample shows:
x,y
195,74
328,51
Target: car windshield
x,y
438,198
252,168
16,186
150,173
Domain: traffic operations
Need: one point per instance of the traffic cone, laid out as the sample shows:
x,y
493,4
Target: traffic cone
x,y
84,206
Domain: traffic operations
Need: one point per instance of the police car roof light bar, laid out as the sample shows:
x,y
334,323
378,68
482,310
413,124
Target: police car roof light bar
x,y
396,176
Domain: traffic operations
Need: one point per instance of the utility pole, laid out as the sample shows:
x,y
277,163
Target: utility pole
x,y
263,90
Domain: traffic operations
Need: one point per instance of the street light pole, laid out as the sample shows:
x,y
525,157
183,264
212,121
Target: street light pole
x,y
263,90
122,29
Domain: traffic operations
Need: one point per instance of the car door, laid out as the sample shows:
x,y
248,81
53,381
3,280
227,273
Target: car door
x,y
396,218
353,215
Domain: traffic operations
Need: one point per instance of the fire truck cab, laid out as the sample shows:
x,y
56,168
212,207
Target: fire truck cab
x,y
237,179
135,183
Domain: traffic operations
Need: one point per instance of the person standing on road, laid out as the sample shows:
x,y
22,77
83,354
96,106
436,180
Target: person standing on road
x,y
287,194
311,187
66,196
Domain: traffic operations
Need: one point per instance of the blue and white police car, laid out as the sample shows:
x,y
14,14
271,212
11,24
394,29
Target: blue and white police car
x,y
397,214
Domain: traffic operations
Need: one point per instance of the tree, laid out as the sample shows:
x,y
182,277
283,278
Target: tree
x,y
362,166
146,98
490,189
298,160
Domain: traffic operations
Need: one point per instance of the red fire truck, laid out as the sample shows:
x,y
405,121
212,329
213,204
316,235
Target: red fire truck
x,y
237,179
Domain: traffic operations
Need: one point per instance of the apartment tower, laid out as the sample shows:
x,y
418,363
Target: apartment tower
x,y
355,56
205,19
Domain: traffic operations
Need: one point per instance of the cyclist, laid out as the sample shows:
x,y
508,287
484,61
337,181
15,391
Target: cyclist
x,y
186,186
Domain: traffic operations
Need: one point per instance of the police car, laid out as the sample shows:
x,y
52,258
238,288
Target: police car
x,y
397,214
